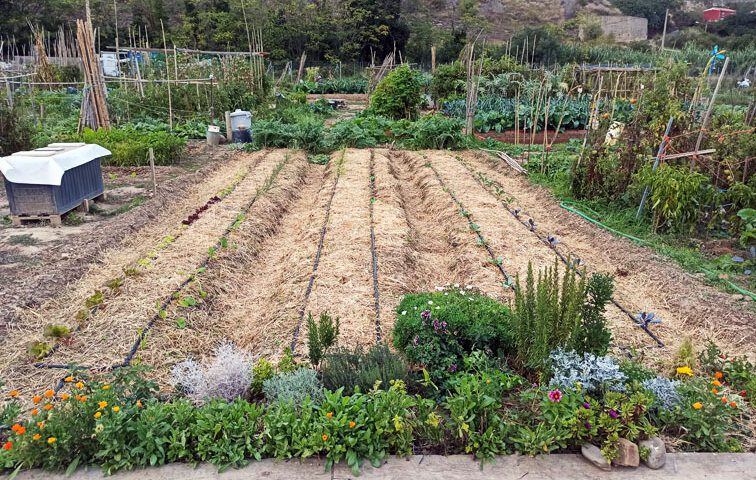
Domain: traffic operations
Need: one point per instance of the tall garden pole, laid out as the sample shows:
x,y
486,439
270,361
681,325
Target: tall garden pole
x,y
662,147
707,115
167,78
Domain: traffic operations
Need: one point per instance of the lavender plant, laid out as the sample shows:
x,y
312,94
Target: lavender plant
x,y
227,376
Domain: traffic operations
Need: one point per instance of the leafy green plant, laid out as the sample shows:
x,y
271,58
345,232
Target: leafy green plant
x,y
130,147
321,336
748,219
592,334
57,331
399,95
263,370
294,387
359,370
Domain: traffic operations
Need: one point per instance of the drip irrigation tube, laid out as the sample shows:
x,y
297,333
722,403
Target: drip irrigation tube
x,y
315,263
507,278
569,207
553,247
376,297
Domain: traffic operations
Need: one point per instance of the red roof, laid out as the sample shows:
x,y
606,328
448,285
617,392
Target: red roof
x,y
717,13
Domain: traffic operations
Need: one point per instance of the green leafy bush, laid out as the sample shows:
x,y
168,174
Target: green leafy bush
x,y
399,95
432,132
294,387
130,147
15,131
359,370
437,330
346,85
321,336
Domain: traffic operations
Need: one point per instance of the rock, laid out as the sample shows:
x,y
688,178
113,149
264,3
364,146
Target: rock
x,y
657,452
627,453
738,298
593,454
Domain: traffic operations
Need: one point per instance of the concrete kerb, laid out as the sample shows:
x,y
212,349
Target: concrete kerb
x,y
682,466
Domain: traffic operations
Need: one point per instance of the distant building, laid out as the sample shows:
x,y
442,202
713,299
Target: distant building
x,y
716,14
625,28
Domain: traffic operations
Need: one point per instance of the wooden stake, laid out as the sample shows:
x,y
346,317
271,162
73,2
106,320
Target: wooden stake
x,y
167,77
707,115
229,133
152,167
664,33
300,72
433,59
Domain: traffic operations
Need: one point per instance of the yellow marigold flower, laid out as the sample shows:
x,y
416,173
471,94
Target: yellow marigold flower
x,y
106,387
51,440
324,437
69,379
98,414
49,407
352,424
116,409
697,406
139,404
13,393
65,397
716,383
718,375
685,371
49,394
329,414
79,385
103,404
40,425
36,436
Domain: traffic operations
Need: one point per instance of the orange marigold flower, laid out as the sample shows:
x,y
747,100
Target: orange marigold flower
x,y
329,414
106,387
716,383
69,379
7,445
35,412
79,385
65,397
103,404
49,407
36,399
21,430
98,414
15,427
714,390
116,409
724,399
139,404
40,425
733,404
83,398
77,397
13,393
51,440
324,437
697,406
718,375
352,424
36,436
49,394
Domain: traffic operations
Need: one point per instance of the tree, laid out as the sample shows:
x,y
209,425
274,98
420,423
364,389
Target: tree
x,y
653,10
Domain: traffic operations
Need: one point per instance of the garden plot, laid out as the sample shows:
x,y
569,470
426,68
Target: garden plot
x,y
107,334
643,280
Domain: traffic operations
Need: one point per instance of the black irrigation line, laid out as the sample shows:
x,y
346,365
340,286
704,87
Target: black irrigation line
x,y
531,226
468,216
94,309
376,297
168,299
316,262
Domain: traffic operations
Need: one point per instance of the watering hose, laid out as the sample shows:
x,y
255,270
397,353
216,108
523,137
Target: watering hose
x,y
569,207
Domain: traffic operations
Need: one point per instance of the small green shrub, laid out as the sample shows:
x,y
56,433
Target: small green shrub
x,y
359,370
228,434
57,331
592,334
437,330
294,387
434,131
321,336
263,370
399,95
130,147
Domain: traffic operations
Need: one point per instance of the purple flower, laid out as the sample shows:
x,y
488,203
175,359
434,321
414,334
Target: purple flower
x,y
426,314
417,339
586,405
452,368
613,413
587,425
555,395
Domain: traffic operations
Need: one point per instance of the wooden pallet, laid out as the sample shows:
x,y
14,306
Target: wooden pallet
x,y
18,220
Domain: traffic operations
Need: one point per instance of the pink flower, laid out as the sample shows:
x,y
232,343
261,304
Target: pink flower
x,y
555,395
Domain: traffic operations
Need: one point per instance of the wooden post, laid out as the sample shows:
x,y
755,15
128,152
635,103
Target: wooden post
x,y
707,115
152,167
662,147
229,133
167,78
300,72
8,92
118,50
664,33
433,59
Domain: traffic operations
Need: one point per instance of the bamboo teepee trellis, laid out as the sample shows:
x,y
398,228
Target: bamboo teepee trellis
x,y
94,107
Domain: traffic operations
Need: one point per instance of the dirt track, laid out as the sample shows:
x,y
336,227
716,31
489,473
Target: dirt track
x,y
254,291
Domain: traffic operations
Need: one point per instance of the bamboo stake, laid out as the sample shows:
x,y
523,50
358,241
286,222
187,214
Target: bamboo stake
x,y
707,115
168,77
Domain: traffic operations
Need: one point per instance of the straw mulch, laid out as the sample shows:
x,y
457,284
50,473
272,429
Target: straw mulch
x,y
643,280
